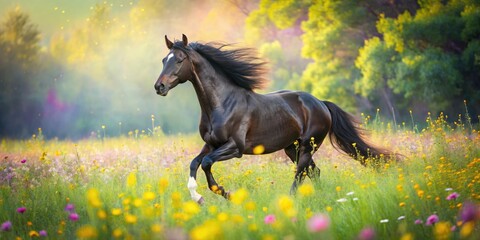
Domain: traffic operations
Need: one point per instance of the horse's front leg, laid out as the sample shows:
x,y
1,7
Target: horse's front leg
x,y
227,151
192,180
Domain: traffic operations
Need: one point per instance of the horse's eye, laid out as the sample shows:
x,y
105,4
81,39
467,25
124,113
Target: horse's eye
x,y
180,60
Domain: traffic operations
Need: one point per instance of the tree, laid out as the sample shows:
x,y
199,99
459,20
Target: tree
x,y
19,91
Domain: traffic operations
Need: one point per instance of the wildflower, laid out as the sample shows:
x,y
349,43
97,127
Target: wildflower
x,y
341,200
116,211
259,149
367,234
350,193
70,208
222,217
33,234
432,220
401,218
250,206
6,226
163,185
73,217
42,233
130,219
101,214
306,190
117,233
448,189
285,204
21,209
156,228
239,196
131,180
355,199
93,197
453,196
338,188
469,212
23,161
87,231
191,207
402,204
148,196
407,236
442,230
418,221
318,223
384,221
467,229
269,219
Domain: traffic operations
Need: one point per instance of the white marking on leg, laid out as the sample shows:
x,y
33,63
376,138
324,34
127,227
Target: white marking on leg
x,y
192,186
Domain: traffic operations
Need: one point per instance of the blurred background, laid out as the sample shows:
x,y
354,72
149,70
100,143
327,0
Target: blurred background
x,y
78,69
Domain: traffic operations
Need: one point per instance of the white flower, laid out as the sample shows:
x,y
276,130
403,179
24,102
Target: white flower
x,y
355,199
401,218
384,221
448,189
350,193
342,200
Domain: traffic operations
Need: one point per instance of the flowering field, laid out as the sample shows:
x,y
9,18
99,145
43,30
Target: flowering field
x,y
134,187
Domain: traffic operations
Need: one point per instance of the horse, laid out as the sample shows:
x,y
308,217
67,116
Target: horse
x,y
235,120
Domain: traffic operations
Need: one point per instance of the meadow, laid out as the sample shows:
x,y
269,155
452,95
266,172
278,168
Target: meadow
x,y
134,187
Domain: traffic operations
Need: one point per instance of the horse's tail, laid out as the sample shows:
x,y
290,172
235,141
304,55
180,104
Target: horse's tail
x,y
346,136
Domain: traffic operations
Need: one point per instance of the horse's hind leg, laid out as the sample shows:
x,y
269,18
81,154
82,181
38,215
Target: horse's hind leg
x,y
293,152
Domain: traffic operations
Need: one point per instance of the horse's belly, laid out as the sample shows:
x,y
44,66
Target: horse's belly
x,y
271,137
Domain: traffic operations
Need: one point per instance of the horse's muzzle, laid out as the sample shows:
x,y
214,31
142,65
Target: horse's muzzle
x,y
161,89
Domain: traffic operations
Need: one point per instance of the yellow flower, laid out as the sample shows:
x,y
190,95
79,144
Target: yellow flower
x,y
329,209
87,231
250,206
132,180
210,229
116,211
33,234
156,228
259,149
338,188
137,202
239,196
222,217
306,190
402,204
285,204
148,196
93,197
163,184
407,236
130,219
117,233
176,200
467,229
191,207
101,214
442,230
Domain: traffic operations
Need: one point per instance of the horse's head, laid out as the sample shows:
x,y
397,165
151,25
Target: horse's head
x,y
176,67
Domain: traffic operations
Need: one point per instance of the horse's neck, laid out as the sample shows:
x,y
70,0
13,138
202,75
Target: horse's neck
x,y
212,90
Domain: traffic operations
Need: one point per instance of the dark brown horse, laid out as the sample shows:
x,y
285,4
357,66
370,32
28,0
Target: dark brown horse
x,y
236,121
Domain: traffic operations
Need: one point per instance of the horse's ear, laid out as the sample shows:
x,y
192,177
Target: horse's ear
x,y
185,40
168,42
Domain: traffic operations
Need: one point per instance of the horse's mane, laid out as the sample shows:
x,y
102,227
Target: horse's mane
x,y
240,65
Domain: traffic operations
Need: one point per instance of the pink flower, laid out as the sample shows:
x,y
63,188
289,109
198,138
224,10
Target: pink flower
x,y
73,217
23,161
418,221
432,220
318,223
367,234
43,233
70,208
6,226
21,209
453,196
269,219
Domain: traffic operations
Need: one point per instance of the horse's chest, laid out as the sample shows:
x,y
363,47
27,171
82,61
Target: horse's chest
x,y
214,133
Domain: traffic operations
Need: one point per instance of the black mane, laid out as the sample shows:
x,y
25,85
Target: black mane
x,y
240,65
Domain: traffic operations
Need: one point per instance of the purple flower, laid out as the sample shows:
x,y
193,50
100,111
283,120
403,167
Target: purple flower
x,y
21,209
23,161
432,220
318,223
367,234
469,212
43,233
418,221
70,208
6,226
269,219
73,217
453,196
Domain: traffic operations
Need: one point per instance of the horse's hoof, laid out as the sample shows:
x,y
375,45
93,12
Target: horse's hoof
x,y
226,195
201,201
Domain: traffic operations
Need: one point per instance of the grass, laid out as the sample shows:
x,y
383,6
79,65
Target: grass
x,y
135,188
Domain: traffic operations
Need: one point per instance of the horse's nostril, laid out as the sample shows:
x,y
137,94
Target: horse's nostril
x,y
162,86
